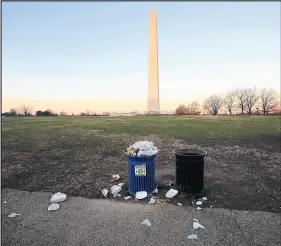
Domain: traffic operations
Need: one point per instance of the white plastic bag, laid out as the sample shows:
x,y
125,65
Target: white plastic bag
x,y
171,193
151,201
146,222
115,189
53,207
192,236
196,225
12,215
58,197
141,195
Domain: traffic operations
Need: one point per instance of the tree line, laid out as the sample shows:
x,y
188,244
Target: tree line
x,y
246,101
27,112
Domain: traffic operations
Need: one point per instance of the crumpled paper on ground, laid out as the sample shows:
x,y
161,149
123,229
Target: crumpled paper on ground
x,y
58,197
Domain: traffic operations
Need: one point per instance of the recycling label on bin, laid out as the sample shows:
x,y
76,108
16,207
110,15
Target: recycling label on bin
x,y
140,170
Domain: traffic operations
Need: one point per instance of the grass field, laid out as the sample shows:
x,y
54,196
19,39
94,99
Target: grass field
x,y
78,155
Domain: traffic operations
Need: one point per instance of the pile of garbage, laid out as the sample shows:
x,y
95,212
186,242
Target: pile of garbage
x,y
142,149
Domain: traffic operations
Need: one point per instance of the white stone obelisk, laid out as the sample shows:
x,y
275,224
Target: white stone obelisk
x,y
153,85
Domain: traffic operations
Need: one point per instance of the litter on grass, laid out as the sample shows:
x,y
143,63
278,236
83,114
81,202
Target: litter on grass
x,y
141,195
115,177
115,189
104,192
146,222
192,236
58,197
151,201
171,193
121,184
141,149
196,220
128,198
155,190
12,215
5,202
196,225
199,203
53,207
180,204
204,198
198,208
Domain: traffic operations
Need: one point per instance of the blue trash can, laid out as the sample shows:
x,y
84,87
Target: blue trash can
x,y
141,174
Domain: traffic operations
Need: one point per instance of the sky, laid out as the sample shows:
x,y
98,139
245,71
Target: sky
x,y
78,56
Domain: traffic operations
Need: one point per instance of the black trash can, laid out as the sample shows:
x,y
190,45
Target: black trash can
x,y
190,170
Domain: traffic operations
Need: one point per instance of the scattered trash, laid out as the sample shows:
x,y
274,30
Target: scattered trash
x,y
141,195
245,212
146,222
152,201
204,198
180,204
199,203
196,225
104,192
58,197
196,220
142,148
115,177
171,193
121,184
192,236
192,202
53,207
198,208
12,215
128,198
211,206
155,190
5,202
115,189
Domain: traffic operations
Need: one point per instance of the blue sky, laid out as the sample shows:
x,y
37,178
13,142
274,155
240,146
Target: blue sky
x,y
96,54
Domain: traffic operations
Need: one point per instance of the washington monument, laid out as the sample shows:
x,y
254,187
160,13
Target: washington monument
x,y
153,85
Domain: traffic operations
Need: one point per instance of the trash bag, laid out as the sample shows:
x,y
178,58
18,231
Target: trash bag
x,y
58,197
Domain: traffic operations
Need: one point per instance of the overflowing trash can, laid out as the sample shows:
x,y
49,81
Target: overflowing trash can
x,y
141,174
141,167
190,170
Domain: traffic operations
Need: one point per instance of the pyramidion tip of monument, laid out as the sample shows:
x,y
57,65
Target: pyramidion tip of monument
x,y
152,10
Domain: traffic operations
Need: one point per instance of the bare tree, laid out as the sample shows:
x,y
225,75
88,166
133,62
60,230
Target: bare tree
x,y
241,100
25,110
229,101
268,100
251,98
193,108
14,111
62,113
213,104
181,110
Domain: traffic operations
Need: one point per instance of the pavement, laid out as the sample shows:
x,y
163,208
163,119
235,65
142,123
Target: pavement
x,y
81,221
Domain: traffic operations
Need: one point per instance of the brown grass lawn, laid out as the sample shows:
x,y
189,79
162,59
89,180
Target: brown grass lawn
x,y
78,155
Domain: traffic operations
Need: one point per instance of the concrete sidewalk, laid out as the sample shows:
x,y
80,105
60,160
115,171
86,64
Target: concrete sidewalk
x,y
81,221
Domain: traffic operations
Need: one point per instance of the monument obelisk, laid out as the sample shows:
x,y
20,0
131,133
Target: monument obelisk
x,y
153,86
